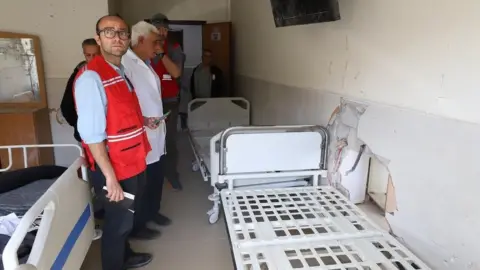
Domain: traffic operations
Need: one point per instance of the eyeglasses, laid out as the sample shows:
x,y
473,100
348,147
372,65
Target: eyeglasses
x,y
111,33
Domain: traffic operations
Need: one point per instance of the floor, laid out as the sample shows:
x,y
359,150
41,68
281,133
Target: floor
x,y
190,242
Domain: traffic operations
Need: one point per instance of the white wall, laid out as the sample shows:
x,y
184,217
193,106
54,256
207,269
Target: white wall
x,y
204,10
62,25
420,55
416,65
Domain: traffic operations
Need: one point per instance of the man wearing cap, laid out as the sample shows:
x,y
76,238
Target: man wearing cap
x,y
168,65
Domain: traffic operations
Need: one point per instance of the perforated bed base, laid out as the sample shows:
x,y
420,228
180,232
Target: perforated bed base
x,y
307,228
371,253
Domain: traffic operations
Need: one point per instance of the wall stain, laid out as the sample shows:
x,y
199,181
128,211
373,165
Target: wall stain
x,y
357,75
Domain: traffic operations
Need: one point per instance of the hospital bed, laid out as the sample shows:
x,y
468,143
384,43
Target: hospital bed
x,y
277,214
66,229
303,227
211,122
206,118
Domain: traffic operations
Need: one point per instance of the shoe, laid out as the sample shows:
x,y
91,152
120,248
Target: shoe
x,y
177,187
146,234
97,233
161,220
137,260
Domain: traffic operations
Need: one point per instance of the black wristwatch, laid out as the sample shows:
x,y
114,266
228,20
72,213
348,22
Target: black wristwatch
x,y
161,55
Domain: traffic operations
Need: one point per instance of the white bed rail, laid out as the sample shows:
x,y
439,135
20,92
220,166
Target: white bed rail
x,y
66,228
218,113
24,148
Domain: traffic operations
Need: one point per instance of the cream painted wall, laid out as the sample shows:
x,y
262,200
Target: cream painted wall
x,y
206,10
62,26
415,54
415,64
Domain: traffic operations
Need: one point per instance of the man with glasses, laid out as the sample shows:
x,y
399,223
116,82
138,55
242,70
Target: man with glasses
x,y
168,65
90,49
111,126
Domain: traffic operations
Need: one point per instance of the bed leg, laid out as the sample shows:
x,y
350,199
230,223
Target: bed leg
x,y
214,213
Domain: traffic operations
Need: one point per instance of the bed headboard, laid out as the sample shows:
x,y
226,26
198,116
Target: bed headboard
x,y
273,148
218,113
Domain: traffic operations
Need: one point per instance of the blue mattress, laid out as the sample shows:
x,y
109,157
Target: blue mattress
x,y
19,200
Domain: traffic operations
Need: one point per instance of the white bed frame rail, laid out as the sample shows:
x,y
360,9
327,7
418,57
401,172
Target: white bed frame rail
x,y
66,229
24,148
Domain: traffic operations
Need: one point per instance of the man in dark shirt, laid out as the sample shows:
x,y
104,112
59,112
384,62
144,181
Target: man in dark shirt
x,y
207,79
90,50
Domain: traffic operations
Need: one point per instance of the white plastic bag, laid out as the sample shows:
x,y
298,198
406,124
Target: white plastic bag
x,y
8,224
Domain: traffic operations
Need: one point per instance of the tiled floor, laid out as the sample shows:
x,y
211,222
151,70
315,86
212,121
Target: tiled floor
x,y
190,242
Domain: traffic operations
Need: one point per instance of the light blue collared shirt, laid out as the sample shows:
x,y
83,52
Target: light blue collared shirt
x,y
91,102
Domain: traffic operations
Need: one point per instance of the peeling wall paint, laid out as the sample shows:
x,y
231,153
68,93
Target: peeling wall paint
x,y
343,127
388,133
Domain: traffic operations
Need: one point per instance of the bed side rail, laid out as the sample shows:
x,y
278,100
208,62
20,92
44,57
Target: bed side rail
x,y
273,149
24,148
66,228
48,204
218,113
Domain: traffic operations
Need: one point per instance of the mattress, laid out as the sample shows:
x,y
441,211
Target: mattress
x,y
19,200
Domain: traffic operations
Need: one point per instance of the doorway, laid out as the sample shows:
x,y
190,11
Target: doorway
x,y
176,36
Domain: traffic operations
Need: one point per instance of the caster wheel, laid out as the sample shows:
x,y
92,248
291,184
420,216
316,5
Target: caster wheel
x,y
195,167
213,218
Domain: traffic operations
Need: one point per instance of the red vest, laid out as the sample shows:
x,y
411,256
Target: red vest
x,y
126,137
169,84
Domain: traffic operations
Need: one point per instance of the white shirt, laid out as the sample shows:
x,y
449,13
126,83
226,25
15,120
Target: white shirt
x,y
148,89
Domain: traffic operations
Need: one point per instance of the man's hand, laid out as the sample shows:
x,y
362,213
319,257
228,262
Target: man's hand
x,y
151,122
115,191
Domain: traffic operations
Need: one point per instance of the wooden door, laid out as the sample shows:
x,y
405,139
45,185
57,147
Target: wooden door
x,y
217,38
26,128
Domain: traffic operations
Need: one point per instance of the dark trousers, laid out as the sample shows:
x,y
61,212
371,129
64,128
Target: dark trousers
x,y
152,197
118,221
183,119
171,159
